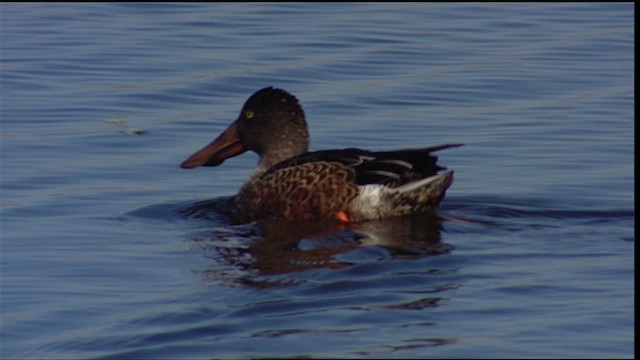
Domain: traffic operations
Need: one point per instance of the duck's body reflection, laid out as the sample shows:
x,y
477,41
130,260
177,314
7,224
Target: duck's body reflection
x,y
278,247
300,246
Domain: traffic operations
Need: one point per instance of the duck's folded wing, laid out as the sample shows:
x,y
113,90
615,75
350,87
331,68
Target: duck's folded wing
x,y
391,168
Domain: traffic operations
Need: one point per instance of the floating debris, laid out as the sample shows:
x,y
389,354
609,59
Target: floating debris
x,y
124,128
115,121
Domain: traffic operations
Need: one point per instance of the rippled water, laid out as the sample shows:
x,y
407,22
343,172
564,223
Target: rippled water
x,y
110,250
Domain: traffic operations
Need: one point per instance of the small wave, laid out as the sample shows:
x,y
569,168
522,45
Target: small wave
x,y
495,207
216,210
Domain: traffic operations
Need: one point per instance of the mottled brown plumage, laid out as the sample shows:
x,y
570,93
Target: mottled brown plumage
x,y
293,184
307,191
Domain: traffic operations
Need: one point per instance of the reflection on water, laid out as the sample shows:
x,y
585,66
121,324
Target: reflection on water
x,y
280,247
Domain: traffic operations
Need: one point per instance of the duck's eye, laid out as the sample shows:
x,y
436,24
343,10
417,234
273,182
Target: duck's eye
x,y
248,114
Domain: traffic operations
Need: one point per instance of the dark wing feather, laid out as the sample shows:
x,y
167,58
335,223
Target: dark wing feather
x,y
391,168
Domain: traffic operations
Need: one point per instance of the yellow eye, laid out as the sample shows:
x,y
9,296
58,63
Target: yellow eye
x,y
248,114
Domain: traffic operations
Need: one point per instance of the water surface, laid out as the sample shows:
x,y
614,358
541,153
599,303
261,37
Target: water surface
x,y
110,250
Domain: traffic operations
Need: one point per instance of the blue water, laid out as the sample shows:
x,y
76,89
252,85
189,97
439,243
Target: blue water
x,y
110,250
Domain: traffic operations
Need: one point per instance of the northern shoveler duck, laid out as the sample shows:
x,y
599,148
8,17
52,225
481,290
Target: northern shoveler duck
x,y
292,183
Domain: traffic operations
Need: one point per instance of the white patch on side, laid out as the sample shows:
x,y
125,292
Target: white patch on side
x,y
371,194
368,203
377,201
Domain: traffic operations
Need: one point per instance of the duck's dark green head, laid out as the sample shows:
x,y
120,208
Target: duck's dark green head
x,y
271,123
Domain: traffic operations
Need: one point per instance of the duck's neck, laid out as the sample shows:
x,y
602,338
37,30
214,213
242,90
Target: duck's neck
x,y
286,149
272,158
262,167
266,163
